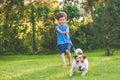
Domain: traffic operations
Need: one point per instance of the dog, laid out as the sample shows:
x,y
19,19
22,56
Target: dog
x,y
80,63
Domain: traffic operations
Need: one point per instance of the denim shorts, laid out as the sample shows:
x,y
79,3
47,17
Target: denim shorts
x,y
64,47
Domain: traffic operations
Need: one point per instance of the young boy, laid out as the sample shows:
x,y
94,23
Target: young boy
x,y
63,39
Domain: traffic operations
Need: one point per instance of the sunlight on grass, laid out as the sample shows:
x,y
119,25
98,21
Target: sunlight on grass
x,y
49,67
11,73
58,76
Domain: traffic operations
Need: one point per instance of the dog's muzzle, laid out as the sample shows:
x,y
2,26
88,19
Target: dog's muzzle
x,y
80,67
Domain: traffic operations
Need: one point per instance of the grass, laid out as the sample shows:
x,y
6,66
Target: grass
x,y
48,67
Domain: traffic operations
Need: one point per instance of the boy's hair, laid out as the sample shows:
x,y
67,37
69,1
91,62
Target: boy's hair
x,y
61,14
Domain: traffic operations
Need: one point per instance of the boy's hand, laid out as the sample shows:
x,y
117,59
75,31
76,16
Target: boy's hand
x,y
67,30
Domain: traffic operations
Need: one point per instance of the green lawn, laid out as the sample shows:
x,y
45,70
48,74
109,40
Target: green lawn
x,y
48,67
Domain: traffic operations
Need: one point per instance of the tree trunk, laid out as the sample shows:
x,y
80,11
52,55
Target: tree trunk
x,y
33,29
107,40
90,4
5,34
106,26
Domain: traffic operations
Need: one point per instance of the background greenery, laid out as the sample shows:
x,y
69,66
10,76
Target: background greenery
x,y
27,27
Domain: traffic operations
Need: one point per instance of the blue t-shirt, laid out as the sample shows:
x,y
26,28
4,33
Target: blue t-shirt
x,y
62,38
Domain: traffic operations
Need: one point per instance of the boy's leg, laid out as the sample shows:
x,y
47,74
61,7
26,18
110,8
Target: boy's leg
x,y
63,59
69,56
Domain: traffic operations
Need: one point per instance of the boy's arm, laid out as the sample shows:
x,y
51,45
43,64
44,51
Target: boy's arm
x,y
65,32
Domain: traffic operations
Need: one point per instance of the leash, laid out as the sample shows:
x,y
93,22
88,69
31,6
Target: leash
x,y
74,49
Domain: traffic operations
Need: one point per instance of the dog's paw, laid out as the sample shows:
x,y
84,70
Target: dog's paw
x,y
83,74
70,74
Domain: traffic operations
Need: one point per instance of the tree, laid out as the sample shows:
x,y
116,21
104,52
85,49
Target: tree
x,y
111,19
90,4
11,14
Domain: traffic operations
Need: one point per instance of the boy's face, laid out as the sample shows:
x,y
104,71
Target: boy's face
x,y
62,20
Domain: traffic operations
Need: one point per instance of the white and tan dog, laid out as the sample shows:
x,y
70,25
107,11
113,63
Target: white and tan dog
x,y
80,63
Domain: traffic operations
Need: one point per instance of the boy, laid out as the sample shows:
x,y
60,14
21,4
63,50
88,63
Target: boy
x,y
63,39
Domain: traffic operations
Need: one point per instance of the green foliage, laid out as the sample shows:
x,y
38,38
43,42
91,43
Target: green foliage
x,y
72,11
114,22
43,11
92,35
13,13
47,29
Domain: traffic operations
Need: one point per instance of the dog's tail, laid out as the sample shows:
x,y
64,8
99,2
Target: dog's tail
x,y
76,50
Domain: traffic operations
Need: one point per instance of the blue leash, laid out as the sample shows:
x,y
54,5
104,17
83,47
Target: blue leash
x,y
73,48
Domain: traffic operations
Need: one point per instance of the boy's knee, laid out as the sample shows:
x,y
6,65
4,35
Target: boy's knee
x,y
62,54
67,51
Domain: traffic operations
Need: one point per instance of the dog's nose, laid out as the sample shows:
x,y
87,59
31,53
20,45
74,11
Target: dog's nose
x,y
77,61
80,66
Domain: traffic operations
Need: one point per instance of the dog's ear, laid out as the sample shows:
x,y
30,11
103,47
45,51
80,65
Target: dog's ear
x,y
75,57
84,57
